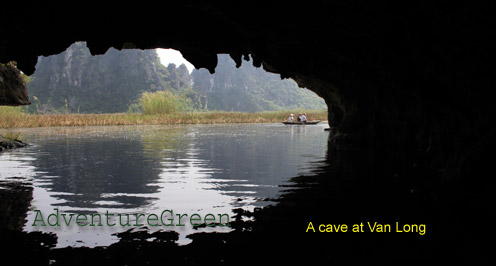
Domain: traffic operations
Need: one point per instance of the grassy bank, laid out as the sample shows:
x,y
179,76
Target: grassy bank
x,y
18,119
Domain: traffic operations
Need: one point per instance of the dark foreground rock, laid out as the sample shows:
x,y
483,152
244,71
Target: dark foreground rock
x,y
15,199
6,144
13,90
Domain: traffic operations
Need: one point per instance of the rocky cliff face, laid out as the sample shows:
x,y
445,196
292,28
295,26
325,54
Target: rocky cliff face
x,y
76,81
249,89
13,89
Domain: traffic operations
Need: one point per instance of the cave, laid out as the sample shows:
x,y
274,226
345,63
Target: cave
x,y
407,88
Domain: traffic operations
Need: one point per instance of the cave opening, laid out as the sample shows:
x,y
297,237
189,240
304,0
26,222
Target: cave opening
x,y
67,170
75,81
408,92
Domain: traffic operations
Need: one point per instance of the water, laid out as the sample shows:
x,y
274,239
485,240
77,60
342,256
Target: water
x,y
188,169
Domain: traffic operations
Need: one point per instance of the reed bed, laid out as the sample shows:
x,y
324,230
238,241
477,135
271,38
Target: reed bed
x,y
18,119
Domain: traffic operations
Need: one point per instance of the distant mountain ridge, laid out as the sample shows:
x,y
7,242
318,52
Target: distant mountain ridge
x,y
77,82
249,89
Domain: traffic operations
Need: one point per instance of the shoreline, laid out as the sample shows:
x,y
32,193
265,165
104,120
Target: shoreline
x,y
22,120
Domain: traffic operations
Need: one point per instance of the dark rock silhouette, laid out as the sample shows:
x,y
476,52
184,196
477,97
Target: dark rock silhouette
x,y
13,89
6,144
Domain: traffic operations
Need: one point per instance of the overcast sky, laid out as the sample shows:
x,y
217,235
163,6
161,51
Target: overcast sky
x,y
172,56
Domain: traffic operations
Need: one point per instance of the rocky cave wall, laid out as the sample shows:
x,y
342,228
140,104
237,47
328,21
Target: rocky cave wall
x,y
13,90
410,82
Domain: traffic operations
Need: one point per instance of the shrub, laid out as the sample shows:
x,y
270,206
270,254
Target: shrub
x,y
162,102
11,116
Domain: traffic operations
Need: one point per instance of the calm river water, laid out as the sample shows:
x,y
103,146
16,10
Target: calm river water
x,y
148,169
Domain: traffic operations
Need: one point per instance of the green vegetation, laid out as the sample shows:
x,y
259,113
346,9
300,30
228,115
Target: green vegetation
x,y
77,82
162,102
211,117
6,111
12,136
10,115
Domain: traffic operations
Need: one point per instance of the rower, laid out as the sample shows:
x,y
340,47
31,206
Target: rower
x,y
304,118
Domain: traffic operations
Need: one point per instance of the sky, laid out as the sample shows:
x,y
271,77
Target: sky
x,y
172,56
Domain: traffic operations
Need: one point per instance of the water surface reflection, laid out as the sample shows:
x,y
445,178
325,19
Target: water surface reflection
x,y
190,169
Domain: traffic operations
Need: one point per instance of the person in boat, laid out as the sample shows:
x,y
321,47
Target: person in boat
x,y
304,118
299,118
291,119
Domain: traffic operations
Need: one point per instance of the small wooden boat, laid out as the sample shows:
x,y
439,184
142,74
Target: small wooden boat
x,y
313,122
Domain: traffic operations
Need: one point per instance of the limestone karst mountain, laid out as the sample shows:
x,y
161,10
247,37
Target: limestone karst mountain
x,y
77,82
